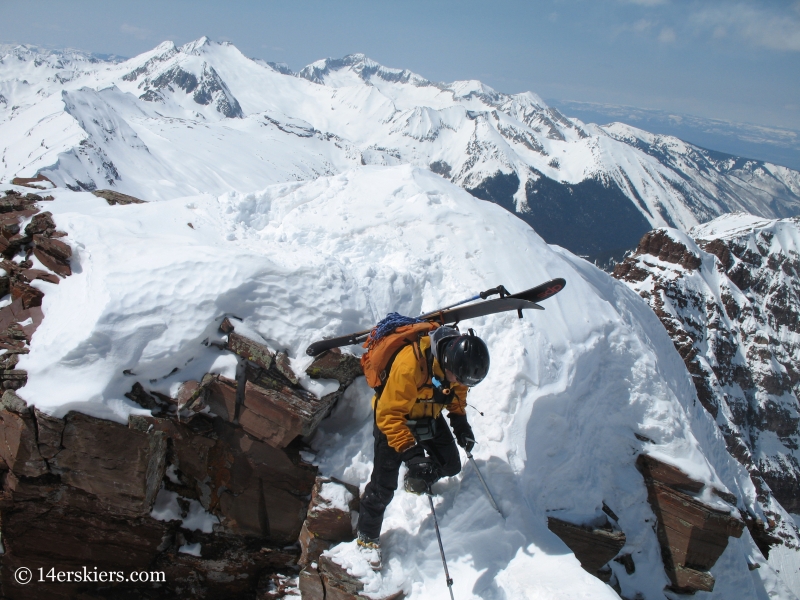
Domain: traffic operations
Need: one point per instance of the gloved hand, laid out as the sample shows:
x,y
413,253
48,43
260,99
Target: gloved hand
x,y
423,469
462,431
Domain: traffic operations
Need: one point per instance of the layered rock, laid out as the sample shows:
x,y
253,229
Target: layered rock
x,y
728,294
195,491
330,581
692,534
23,315
269,404
331,518
593,546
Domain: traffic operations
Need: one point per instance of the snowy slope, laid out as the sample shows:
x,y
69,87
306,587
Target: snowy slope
x,y
568,389
203,118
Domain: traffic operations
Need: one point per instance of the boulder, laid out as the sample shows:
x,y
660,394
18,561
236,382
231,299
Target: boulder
x,y
692,534
271,416
192,395
41,223
122,467
593,546
334,364
310,584
53,254
142,398
329,519
275,412
250,350
29,295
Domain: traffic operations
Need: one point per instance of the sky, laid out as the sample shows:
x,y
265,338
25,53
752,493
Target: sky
x,y
735,60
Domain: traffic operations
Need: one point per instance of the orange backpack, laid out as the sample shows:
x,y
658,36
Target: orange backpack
x,y
377,360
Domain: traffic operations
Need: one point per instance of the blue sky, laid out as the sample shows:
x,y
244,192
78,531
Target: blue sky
x,y
733,60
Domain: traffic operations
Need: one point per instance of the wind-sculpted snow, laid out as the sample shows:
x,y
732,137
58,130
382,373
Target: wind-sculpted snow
x,y
200,109
569,391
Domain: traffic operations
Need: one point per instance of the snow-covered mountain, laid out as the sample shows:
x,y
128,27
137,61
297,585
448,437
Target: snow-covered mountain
x,y
728,294
204,118
576,395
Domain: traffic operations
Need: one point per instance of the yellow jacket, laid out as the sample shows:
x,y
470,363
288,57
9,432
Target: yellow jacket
x,y
408,394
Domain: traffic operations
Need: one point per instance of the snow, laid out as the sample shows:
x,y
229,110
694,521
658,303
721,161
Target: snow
x,y
193,549
166,508
567,391
336,496
123,125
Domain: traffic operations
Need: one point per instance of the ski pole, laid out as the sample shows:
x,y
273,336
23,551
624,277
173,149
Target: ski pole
x,y
441,548
483,481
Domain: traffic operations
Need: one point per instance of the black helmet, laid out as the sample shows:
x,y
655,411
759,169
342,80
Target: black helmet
x,y
439,338
467,358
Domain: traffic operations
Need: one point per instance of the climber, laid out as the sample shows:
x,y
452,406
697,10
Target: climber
x,y
426,376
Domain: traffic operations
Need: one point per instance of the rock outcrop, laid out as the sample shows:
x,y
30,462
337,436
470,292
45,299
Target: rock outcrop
x,y
114,198
20,318
330,581
692,534
594,547
270,404
727,294
208,491
330,519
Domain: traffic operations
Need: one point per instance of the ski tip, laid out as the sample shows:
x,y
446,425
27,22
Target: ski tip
x,y
543,291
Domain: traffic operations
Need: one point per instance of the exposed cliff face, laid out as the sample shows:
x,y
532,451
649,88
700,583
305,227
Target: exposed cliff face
x,y
728,295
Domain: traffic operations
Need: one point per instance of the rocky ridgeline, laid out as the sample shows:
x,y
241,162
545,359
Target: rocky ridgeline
x,y
79,491
40,239
728,295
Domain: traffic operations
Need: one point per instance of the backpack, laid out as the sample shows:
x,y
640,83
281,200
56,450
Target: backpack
x,y
385,342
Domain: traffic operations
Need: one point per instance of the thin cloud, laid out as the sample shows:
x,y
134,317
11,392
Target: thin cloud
x,y
137,32
646,2
768,28
667,35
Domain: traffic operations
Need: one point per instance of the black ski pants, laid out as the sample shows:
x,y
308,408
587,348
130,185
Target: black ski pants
x,y
386,466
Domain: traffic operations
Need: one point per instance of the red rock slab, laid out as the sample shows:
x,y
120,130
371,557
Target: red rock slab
x,y
18,445
250,350
27,181
54,248
61,267
32,274
29,295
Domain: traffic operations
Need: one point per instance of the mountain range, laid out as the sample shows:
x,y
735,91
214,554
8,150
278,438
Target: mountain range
x,y
203,118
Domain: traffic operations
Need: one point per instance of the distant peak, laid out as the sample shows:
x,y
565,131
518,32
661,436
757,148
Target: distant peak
x,y
193,47
363,66
163,47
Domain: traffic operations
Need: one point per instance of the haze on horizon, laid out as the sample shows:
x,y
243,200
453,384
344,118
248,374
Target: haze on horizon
x,y
734,61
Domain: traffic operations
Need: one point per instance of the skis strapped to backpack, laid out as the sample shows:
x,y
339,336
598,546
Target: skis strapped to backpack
x,y
451,314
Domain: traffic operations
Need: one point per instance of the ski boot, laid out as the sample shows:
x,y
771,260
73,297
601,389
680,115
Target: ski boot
x,y
371,550
415,485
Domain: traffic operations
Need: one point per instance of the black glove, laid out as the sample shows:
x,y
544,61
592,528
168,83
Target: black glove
x,y
462,431
424,469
